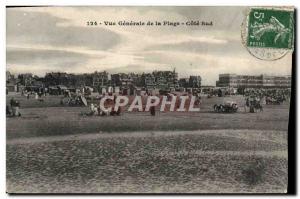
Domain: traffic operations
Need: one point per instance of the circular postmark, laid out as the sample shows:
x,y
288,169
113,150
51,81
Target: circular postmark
x,y
268,32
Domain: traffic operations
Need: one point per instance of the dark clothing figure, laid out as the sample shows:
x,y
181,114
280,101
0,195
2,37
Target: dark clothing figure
x,y
8,110
251,109
119,111
247,102
12,102
152,110
15,105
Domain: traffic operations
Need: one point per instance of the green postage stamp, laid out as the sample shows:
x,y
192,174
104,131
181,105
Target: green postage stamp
x,y
268,33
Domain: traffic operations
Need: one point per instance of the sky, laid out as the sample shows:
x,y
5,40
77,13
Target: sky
x,y
51,39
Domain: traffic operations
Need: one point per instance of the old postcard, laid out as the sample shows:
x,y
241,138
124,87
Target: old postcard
x,y
149,99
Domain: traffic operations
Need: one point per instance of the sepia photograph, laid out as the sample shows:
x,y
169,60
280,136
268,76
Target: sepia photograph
x,y
148,99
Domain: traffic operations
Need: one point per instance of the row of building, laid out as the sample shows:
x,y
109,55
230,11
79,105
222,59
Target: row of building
x,y
253,81
161,80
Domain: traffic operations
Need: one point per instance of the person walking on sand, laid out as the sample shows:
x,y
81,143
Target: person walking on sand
x,y
246,104
17,108
152,110
15,105
36,96
12,105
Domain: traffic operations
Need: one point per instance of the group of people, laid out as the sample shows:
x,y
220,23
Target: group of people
x,y
37,95
96,110
110,108
254,103
13,108
255,98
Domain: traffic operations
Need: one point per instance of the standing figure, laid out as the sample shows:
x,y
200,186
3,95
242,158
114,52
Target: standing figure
x,y
152,110
15,105
36,96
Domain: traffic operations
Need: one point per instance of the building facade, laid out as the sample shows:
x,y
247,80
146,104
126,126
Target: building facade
x,y
100,80
148,81
121,79
11,82
195,81
191,82
164,81
253,81
184,82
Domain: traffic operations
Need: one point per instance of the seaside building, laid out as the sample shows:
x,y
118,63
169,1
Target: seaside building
x,y
253,81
